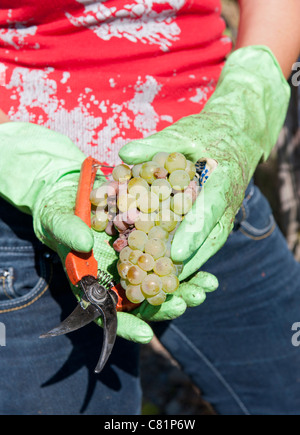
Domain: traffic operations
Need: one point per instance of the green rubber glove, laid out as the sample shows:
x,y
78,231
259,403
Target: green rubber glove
x,y
39,174
236,131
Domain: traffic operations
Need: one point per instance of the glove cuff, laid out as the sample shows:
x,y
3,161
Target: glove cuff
x,y
33,157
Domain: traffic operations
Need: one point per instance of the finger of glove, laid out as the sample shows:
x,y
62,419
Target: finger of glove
x,y
213,243
68,230
208,282
137,152
131,328
171,309
193,292
198,224
170,139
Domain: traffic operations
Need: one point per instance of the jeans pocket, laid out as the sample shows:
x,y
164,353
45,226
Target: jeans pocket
x,y
255,218
25,275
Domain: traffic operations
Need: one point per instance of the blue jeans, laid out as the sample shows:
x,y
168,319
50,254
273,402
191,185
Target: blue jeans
x,y
236,346
53,376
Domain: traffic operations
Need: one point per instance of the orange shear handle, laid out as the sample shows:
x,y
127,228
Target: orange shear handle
x,y
80,264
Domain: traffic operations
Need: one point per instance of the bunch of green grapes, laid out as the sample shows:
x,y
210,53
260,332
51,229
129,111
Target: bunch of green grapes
x,y
144,205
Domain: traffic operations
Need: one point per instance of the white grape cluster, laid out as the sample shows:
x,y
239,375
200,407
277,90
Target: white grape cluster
x,y
144,205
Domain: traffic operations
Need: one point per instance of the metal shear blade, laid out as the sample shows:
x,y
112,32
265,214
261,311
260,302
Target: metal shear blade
x,y
96,302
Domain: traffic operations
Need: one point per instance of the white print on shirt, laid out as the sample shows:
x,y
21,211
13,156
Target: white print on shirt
x,y
202,94
3,69
99,128
137,22
16,33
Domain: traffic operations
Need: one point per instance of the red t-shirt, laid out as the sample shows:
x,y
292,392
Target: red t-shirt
x,y
107,72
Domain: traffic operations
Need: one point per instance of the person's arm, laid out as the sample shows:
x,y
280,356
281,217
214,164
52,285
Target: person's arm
x,y
273,23
237,129
3,117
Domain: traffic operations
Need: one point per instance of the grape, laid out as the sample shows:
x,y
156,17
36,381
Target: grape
x,y
174,162
124,254
121,173
99,221
161,173
126,202
112,202
137,240
134,294
170,283
156,248
110,229
167,220
151,285
99,196
134,256
179,179
122,188
131,216
162,188
165,205
192,190
158,233
136,170
164,266
120,244
160,158
146,262
119,223
144,206
158,299
190,169
145,222
136,275
137,187
181,203
147,171
148,203
123,268
113,188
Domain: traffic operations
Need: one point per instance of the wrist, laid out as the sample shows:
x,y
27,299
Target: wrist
x,y
254,94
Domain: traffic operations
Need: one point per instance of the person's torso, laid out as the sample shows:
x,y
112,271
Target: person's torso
x,y
107,72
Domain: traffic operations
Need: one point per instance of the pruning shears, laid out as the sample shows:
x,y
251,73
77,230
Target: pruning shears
x,y
100,296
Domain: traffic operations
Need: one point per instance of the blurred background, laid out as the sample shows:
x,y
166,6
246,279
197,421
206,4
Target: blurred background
x,y
172,392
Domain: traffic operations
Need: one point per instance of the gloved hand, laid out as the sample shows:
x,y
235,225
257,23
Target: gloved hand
x,y
235,132
39,174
